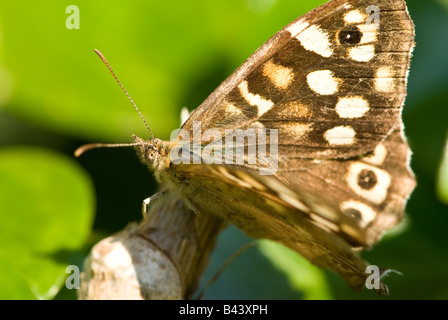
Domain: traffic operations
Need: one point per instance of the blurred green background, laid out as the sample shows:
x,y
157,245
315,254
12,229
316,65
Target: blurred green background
x,y
55,95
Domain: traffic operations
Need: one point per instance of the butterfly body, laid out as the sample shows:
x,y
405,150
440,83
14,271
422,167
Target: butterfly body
x,y
332,84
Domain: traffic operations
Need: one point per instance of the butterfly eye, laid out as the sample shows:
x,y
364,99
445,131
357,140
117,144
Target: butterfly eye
x,y
350,37
152,155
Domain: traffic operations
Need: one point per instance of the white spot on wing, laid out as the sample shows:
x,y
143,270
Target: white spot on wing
x,y
369,32
352,107
342,135
297,27
378,193
354,16
378,156
384,81
362,53
263,105
282,77
316,40
323,82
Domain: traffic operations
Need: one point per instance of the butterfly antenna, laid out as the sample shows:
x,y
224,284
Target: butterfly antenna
x,y
122,88
91,146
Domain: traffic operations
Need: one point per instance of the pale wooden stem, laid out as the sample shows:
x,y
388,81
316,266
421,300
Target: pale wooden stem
x,y
161,258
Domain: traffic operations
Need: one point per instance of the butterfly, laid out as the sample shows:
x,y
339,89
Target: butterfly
x,y
322,99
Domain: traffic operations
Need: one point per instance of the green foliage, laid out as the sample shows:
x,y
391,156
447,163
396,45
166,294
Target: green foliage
x,y
442,181
302,275
56,94
46,208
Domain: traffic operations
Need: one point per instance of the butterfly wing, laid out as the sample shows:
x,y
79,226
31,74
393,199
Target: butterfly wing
x,y
332,83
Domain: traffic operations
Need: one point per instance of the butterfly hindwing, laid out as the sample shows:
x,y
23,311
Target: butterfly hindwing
x,y
371,191
263,207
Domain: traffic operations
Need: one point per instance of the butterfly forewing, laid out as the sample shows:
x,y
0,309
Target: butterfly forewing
x,y
329,97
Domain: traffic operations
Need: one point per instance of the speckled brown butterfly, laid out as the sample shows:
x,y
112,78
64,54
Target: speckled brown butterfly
x,y
332,83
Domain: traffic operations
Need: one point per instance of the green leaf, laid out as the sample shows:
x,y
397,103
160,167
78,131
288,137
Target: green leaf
x,y
302,275
442,179
444,3
46,210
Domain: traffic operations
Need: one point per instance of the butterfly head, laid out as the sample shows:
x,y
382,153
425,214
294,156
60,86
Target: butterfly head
x,y
152,152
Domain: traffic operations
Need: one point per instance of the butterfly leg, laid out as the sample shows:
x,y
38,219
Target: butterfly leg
x,y
147,201
191,206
